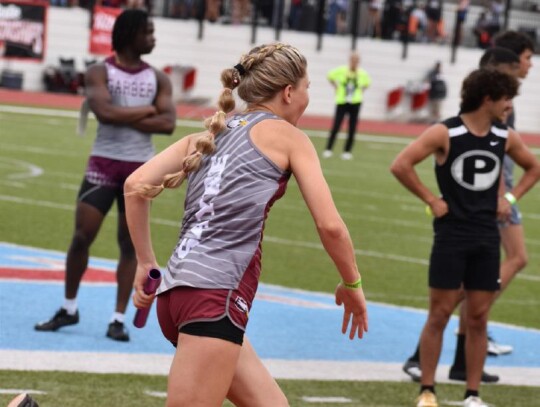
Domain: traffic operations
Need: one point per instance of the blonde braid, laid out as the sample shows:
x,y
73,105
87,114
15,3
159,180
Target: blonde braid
x,y
286,67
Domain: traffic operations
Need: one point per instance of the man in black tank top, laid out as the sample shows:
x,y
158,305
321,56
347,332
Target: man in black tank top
x,y
465,258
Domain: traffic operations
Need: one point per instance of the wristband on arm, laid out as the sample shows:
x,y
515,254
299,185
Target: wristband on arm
x,y
510,198
352,286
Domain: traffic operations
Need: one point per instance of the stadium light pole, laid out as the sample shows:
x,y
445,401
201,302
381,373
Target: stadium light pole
x,y
320,23
201,12
354,23
254,21
278,18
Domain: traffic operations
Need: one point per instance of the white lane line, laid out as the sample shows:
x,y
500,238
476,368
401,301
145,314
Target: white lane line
x,y
20,169
159,394
337,400
159,364
267,238
20,391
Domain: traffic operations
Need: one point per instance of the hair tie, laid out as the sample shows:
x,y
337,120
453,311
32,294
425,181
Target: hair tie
x,y
240,68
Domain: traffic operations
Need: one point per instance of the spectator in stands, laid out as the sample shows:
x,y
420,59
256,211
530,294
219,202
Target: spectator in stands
x,y
434,20
295,12
374,18
437,92
481,31
240,11
337,17
213,10
391,18
417,23
462,11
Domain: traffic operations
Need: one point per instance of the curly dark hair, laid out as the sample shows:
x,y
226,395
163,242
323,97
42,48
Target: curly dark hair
x,y
486,82
127,26
514,41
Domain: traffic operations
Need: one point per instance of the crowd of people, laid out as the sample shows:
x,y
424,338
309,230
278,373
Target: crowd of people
x,y
418,20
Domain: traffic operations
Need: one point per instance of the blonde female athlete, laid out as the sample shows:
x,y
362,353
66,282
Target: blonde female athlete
x,y
236,170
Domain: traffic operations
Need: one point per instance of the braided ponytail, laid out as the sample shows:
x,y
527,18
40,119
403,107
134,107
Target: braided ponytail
x,y
259,76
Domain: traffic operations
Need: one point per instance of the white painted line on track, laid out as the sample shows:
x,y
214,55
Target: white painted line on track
x,y
159,364
159,394
337,400
19,391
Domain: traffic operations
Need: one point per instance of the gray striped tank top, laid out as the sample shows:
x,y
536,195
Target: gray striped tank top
x,y
226,204
128,88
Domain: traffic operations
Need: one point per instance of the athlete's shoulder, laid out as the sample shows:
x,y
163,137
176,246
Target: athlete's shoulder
x,y
452,122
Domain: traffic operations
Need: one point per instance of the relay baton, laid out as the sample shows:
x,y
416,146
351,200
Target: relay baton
x,y
153,279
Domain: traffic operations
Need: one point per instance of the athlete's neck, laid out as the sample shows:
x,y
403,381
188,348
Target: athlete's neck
x,y
128,60
477,122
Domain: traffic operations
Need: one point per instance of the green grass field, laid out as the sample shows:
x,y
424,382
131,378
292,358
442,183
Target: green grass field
x,y
41,166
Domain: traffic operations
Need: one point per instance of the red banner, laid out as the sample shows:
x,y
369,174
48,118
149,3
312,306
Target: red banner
x,y
102,26
23,28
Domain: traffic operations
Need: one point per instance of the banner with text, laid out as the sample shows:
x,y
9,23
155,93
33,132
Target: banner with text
x,y
102,26
23,29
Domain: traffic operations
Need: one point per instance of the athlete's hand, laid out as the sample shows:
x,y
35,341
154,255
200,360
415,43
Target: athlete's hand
x,y
439,207
354,304
140,298
504,209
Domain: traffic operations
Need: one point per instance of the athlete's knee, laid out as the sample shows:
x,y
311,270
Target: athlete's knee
x,y
477,321
81,241
438,318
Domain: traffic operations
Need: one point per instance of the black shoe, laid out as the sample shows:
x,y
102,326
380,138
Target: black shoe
x,y
23,400
118,331
412,368
462,376
60,319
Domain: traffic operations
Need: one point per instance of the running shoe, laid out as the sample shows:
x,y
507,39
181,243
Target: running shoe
x,y
412,368
117,331
327,154
496,349
346,156
427,399
472,401
60,319
23,400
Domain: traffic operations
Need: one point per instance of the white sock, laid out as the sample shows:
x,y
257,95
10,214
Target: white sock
x,y
70,306
117,316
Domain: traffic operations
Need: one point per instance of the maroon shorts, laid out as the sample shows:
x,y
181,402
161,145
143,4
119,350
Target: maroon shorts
x,y
110,173
181,306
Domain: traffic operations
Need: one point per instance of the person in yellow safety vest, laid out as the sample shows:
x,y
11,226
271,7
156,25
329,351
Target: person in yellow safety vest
x,y
350,82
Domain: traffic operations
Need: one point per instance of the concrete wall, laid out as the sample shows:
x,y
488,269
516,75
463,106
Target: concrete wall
x,y
222,45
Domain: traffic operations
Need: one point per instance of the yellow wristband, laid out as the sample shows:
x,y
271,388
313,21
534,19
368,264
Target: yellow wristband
x,y
510,198
353,286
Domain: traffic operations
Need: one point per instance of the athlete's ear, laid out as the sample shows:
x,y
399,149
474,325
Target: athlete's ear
x,y
287,94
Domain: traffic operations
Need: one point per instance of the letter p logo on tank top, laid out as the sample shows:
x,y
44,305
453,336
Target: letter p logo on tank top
x,y
476,170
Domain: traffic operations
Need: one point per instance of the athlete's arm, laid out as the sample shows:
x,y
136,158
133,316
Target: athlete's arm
x,y
138,209
520,153
100,101
304,164
434,141
164,121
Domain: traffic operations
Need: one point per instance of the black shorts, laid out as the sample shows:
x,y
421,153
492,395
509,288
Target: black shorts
x,y
222,329
473,264
104,182
101,197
